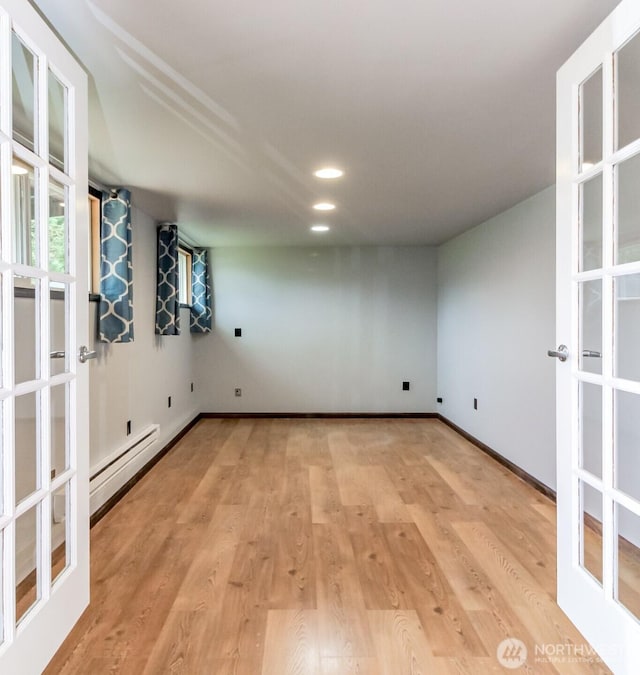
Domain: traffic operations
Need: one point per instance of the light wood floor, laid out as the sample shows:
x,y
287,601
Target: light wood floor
x,y
312,547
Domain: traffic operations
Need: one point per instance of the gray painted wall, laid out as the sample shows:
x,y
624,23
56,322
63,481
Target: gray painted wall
x,y
324,330
496,320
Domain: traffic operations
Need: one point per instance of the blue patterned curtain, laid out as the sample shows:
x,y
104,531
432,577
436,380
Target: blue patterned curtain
x,y
200,292
116,270
167,298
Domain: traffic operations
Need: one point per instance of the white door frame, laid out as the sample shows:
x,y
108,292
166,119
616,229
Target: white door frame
x,y
28,647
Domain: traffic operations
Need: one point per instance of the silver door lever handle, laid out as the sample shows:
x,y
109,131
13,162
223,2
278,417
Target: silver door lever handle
x,y
85,354
562,353
590,354
56,355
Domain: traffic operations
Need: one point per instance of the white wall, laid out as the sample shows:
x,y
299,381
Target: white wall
x,y
323,330
496,320
133,381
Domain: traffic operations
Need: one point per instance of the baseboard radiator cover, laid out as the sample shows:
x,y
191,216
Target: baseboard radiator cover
x,y
111,473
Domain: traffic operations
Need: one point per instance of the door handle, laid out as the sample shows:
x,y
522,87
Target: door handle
x,y
562,353
56,355
84,354
590,354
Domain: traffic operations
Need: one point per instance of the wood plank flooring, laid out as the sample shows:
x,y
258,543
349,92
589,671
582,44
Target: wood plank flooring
x,y
317,547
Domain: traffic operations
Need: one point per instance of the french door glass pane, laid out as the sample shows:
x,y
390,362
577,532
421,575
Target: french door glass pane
x,y
627,443
59,537
591,253
591,507
59,435
627,334
2,612
57,127
629,560
25,240
26,324
57,228
2,381
628,88
24,66
2,451
591,326
26,457
591,132
628,244
59,354
591,428
27,569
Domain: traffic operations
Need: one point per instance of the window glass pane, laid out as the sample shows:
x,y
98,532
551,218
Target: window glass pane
x,y
629,561
2,450
57,116
628,88
24,79
627,442
184,273
591,107
57,228
628,244
591,253
27,570
59,538
59,345
26,458
26,327
59,430
25,240
627,334
591,427
591,326
591,507
3,534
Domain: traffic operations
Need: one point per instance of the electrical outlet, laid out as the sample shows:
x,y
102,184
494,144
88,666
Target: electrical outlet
x,y
439,399
128,427
238,332
475,403
169,402
238,391
406,386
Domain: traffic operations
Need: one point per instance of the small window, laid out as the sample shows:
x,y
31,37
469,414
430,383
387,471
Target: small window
x,y
95,211
184,271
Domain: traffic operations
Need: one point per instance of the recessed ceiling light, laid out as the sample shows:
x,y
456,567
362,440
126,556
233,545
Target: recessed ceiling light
x,y
18,170
328,173
320,228
324,206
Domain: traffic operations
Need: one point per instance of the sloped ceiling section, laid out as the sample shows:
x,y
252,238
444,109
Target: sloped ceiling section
x,y
441,112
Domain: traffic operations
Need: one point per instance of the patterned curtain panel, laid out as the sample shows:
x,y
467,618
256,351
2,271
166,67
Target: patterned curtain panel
x,y
200,292
116,271
167,299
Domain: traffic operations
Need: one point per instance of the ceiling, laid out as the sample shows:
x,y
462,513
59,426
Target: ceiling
x,y
441,112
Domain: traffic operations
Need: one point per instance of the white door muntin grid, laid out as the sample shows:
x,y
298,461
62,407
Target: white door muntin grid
x,y
591,597
31,631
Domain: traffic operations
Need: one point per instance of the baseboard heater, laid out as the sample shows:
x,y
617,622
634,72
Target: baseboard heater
x,y
110,474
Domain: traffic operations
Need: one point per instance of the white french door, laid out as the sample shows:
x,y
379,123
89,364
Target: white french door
x,y
598,318
44,525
